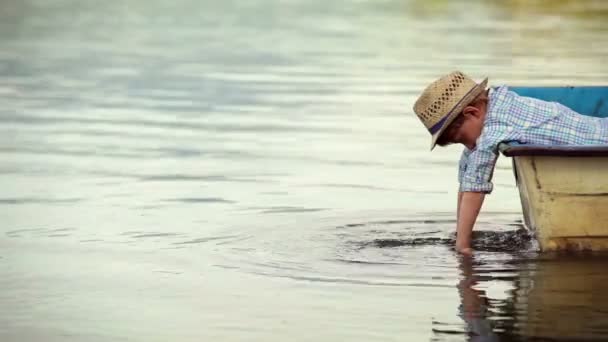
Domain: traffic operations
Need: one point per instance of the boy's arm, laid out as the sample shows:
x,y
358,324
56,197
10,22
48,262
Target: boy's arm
x,y
462,167
475,182
458,205
468,209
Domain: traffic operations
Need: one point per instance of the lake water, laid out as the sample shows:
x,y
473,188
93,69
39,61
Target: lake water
x,y
252,171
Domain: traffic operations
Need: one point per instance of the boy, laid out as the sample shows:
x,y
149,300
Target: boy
x,y
456,110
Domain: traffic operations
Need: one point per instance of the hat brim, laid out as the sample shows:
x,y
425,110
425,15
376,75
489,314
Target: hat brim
x,y
453,114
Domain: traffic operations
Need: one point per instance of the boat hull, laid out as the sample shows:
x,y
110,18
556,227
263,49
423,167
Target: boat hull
x,y
565,200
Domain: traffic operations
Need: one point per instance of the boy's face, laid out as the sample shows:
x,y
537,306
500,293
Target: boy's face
x,y
467,128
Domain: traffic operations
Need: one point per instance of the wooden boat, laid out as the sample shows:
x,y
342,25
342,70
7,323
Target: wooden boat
x,y
564,189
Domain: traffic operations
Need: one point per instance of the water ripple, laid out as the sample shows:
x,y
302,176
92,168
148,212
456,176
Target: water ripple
x,y
196,200
39,200
387,249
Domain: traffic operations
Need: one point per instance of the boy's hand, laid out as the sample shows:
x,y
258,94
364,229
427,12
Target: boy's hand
x,y
464,249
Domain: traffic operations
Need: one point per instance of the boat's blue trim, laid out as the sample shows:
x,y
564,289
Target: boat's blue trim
x,y
588,100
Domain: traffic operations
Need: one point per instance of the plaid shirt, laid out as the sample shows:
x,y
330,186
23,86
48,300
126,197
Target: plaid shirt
x,y
511,117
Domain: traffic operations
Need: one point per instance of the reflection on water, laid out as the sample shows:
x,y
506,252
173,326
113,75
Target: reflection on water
x,y
552,298
250,170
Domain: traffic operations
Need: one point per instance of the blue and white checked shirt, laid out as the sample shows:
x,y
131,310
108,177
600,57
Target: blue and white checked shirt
x,y
511,117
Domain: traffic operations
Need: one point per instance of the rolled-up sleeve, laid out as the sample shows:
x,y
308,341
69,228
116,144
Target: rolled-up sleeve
x,y
477,177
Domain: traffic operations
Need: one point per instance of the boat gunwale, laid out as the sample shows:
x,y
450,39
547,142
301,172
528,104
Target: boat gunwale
x,y
515,150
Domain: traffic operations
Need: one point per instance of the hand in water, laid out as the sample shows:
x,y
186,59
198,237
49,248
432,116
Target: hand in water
x,y
464,248
465,251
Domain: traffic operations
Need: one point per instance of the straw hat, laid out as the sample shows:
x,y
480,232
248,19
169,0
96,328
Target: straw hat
x,y
443,100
